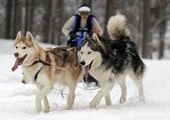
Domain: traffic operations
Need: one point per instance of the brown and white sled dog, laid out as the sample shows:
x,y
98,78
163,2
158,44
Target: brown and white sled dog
x,y
45,67
111,60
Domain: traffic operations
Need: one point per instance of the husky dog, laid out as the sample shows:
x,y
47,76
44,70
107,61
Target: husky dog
x,y
47,66
111,60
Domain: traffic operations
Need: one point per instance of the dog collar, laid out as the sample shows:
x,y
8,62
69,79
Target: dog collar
x,y
36,74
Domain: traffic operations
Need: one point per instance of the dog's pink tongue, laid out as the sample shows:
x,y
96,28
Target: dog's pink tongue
x,y
15,65
86,71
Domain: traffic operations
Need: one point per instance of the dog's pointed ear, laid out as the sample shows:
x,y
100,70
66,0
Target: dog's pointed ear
x,y
98,42
29,36
30,39
96,38
19,35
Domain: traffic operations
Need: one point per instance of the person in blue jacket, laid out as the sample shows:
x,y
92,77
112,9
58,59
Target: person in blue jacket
x,y
81,24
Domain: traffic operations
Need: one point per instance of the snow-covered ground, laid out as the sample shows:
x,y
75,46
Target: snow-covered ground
x,y
17,99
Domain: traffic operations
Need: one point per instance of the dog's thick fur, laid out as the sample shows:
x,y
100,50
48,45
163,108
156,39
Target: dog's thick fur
x,y
112,60
47,66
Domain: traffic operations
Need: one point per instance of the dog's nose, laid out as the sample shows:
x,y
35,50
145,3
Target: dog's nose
x,y
82,63
23,81
16,54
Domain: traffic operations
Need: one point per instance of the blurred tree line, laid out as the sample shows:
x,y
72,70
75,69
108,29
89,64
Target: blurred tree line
x,y
147,20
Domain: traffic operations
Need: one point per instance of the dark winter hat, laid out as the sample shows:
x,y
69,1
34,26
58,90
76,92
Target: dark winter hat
x,y
84,8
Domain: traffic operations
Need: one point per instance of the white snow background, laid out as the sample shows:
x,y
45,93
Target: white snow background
x,y
17,99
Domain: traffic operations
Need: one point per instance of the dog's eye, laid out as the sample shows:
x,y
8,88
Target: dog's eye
x,y
81,52
16,47
89,52
24,47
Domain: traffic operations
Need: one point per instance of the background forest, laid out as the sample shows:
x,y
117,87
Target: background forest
x,y
148,20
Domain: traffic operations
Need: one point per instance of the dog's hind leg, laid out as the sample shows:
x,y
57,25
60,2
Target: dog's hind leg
x,y
139,85
105,90
71,96
138,80
121,81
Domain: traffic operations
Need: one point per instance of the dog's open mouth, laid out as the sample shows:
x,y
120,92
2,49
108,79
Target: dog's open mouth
x,y
18,61
87,68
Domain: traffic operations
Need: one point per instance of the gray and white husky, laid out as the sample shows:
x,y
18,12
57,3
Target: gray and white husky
x,y
111,60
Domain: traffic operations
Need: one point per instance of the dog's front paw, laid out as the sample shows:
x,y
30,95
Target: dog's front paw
x,y
122,100
109,103
68,108
38,110
47,110
93,104
142,99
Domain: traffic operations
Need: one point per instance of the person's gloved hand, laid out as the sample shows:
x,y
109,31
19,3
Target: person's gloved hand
x,y
73,35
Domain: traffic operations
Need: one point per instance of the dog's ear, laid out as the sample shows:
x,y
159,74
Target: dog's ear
x,y
98,42
30,39
19,35
29,36
95,37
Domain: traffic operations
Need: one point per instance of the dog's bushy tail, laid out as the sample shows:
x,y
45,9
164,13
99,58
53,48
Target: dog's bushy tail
x,y
117,27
